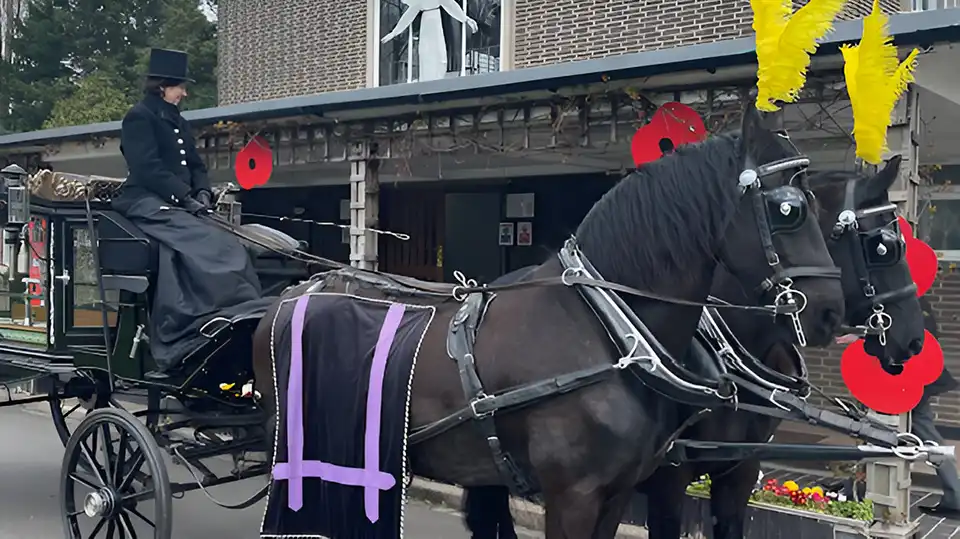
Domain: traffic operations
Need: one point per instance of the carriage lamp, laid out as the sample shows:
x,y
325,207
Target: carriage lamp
x,y
18,196
228,207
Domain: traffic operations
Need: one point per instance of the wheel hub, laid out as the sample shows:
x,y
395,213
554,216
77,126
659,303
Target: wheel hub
x,y
99,503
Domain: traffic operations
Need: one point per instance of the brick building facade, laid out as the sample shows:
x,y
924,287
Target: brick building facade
x,y
300,47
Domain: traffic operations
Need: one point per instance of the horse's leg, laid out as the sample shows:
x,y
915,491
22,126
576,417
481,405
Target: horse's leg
x,y
666,492
572,513
611,515
487,512
729,494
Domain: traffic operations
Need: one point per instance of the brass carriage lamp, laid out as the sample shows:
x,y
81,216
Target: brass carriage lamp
x,y
18,196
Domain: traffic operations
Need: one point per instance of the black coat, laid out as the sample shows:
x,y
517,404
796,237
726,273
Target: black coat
x,y
946,382
161,153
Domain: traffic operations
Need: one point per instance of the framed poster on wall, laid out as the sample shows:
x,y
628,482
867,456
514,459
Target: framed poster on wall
x,y
520,206
525,233
506,234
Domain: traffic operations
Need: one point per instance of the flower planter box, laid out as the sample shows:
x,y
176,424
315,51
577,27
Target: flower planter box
x,y
766,521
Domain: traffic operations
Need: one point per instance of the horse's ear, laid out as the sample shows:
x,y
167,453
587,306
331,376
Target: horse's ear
x,y
753,131
881,182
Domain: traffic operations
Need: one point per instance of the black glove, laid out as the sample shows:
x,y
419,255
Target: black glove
x,y
204,198
193,206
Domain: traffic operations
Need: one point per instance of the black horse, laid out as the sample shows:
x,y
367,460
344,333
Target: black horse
x,y
662,230
869,255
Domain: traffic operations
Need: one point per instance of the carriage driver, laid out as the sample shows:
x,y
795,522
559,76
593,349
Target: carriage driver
x,y
201,268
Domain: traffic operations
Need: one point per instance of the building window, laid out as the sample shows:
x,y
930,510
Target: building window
x,y
927,5
434,39
939,212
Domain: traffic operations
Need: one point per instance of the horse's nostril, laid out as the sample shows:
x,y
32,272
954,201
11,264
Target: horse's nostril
x,y
915,347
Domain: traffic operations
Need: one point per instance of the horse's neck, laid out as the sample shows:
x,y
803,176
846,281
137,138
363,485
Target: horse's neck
x,y
674,325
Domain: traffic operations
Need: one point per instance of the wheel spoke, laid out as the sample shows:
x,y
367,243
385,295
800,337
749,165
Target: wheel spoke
x,y
140,515
83,481
121,455
127,526
97,528
137,496
111,527
106,447
87,454
108,454
137,463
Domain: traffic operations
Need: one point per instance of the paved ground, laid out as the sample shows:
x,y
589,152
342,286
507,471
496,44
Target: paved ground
x,y
30,459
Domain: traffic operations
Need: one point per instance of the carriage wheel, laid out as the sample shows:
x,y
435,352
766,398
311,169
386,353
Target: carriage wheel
x,y
118,489
64,411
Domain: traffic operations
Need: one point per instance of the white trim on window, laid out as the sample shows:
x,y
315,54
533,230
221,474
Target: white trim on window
x,y
373,43
374,31
948,256
940,192
508,34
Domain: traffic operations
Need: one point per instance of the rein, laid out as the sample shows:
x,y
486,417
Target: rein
x,y
460,292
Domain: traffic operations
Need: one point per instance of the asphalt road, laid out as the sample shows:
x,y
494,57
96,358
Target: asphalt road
x,y
30,460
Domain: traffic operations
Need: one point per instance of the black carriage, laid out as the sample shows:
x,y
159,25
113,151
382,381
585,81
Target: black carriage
x,y
80,284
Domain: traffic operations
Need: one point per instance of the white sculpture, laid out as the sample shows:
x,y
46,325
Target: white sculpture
x,y
432,49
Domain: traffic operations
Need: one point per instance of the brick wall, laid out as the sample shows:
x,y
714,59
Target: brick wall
x,y
824,365
552,31
285,48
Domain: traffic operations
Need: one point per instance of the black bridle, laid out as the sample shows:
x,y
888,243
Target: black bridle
x,y
872,248
791,204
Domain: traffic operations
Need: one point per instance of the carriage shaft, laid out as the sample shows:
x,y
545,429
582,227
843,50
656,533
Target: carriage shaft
x,y
696,451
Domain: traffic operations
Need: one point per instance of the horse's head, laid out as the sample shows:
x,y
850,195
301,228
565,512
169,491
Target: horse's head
x,y
864,239
773,246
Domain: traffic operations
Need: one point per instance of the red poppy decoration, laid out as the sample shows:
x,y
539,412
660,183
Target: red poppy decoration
x,y
672,125
865,378
254,163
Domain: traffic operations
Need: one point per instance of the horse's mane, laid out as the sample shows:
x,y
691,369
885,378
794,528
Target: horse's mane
x,y
666,217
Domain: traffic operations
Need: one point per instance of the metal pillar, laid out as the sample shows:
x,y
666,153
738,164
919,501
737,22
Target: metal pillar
x,y
364,205
888,485
888,480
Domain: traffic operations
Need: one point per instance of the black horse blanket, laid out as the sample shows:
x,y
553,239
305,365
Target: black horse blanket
x,y
343,366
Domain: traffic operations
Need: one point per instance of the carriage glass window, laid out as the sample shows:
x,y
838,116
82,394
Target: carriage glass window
x,y
86,310
24,280
435,45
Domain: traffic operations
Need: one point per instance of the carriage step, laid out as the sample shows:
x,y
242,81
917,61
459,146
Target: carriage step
x,y
33,364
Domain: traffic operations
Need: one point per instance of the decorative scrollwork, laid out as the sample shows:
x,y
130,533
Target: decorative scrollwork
x,y
66,187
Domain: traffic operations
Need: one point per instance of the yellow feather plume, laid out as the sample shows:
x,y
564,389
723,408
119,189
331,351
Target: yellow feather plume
x,y
785,43
875,82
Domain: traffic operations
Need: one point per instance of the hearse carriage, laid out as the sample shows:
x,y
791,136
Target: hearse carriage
x,y
74,321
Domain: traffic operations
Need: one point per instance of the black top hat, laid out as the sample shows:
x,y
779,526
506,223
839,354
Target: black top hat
x,y
168,64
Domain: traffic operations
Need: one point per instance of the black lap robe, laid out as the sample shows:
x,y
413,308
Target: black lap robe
x,y
203,272
339,337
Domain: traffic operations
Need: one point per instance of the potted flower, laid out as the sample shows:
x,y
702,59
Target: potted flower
x,y
775,505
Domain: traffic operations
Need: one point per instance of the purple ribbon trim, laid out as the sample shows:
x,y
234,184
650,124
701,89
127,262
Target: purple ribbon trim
x,y
295,469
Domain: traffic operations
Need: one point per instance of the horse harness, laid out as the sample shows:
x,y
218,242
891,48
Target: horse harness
x,y
872,248
782,210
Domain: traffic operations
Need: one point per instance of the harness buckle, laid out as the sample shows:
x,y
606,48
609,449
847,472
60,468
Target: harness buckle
x,y
478,403
788,297
880,322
